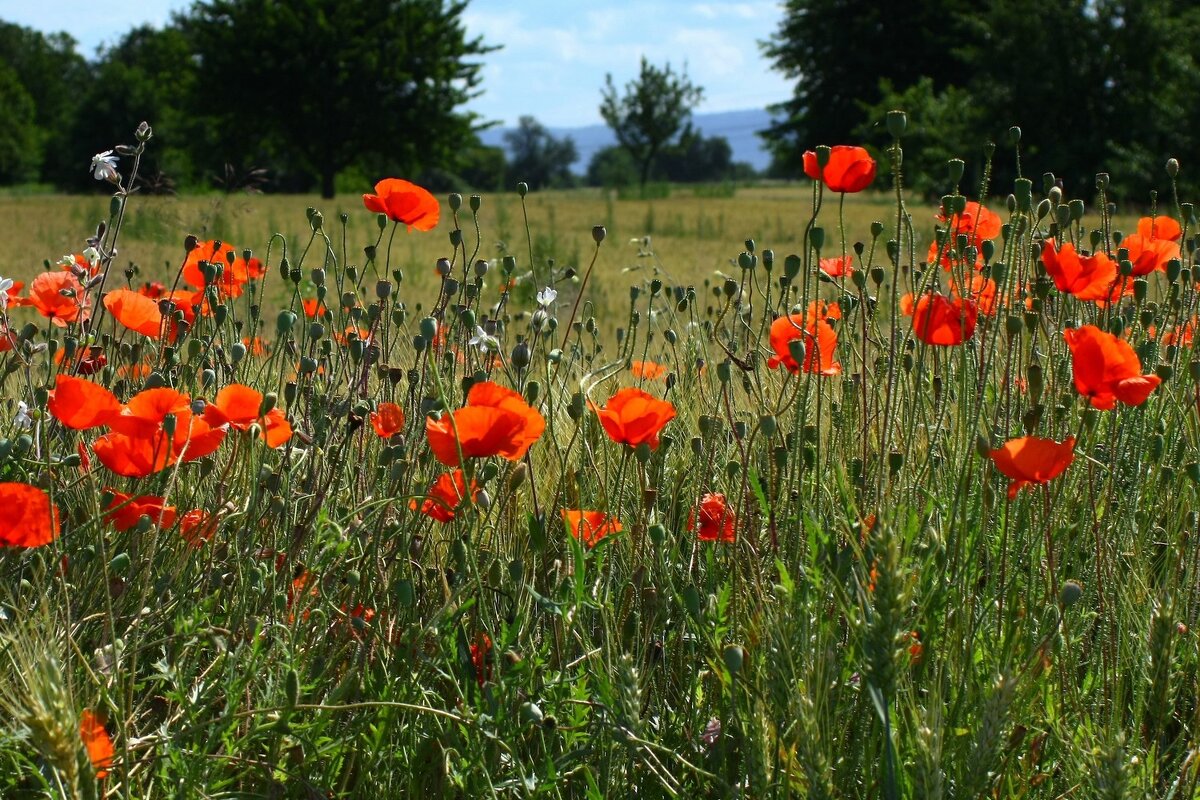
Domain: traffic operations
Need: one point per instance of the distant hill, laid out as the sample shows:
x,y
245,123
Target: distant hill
x,y
739,127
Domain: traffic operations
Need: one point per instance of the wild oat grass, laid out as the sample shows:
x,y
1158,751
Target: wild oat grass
x,y
886,621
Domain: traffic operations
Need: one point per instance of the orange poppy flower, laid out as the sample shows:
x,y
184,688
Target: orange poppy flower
x,y
27,517
197,527
1148,254
1106,369
240,407
81,404
256,346
138,445
1159,228
135,311
1029,460
634,417
950,257
850,169
97,742
445,496
235,272
648,370
1087,277
940,320
124,512
495,422
837,267
312,306
404,202
481,658
1182,338
716,520
58,296
590,527
155,290
14,295
820,344
976,222
387,420
982,292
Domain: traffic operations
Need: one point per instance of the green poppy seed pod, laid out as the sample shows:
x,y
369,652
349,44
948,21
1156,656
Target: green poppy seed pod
x,y
671,336
988,249
308,365
642,453
1102,180
1023,191
823,152
475,201
749,245
893,251
858,278
1192,470
791,266
428,328
1164,372
522,188
732,470
1174,269
897,122
817,238
237,352
895,461
516,568
729,287
1090,417
1014,136
768,425
876,229
269,401
598,233
456,238
1032,418
284,323
768,259
208,378
1157,445
23,445
735,655
454,201
1096,238
796,350
1070,594
508,265
576,406
318,276
740,429
878,275
317,221
1172,167
723,373
119,564
1140,287
194,347
481,268
954,168
697,445
520,356
1076,210
168,424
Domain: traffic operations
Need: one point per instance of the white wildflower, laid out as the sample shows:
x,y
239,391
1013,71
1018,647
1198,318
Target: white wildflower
x,y
546,296
5,285
23,420
104,167
484,341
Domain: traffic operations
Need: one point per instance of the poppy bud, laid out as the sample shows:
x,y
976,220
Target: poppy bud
x,y
817,238
1172,167
522,188
982,446
237,352
723,373
955,169
735,657
520,355
732,470
878,274
1043,209
598,233
1174,269
791,266
208,378
284,323
824,153
897,122
1140,287
767,424
1070,594
119,564
1076,209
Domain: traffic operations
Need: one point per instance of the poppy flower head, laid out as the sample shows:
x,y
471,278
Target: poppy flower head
x,y
96,742
445,496
1106,369
387,420
136,312
940,320
820,344
713,519
850,169
976,222
239,407
222,258
1031,460
80,404
404,202
647,370
590,527
197,527
1148,254
496,421
1087,277
27,517
633,417
1159,228
481,658
124,512
59,296
950,257
837,266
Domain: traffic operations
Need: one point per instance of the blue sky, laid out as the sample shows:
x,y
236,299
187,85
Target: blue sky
x,y
556,52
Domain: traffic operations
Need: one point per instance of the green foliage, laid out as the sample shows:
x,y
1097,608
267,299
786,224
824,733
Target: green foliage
x,y
612,167
538,158
20,137
654,109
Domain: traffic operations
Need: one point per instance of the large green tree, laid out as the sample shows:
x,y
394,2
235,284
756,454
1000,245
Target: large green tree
x,y
330,83
652,112
538,157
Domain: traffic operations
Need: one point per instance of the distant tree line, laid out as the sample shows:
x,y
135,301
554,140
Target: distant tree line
x,y
302,96
1095,85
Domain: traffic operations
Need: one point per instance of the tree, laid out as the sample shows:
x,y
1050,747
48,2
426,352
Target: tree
x,y
655,109
538,158
837,50
323,84
697,158
20,138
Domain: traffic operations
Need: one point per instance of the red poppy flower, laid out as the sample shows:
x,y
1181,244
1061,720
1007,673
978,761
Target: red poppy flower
x,y
445,496
951,258
1148,254
97,742
976,222
820,344
1159,228
138,443
1106,369
981,292
1183,337
155,290
495,422
240,407
716,520
197,527
404,202
837,267
590,527
124,512
481,658
1029,460
312,306
136,312
940,320
634,417
235,272
81,404
850,169
647,370
256,346
27,517
387,419
1086,277
58,296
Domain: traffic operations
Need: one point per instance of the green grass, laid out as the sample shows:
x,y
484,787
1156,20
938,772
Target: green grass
x,y
887,624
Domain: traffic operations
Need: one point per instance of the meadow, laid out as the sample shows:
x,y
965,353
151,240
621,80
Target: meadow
x,y
447,496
